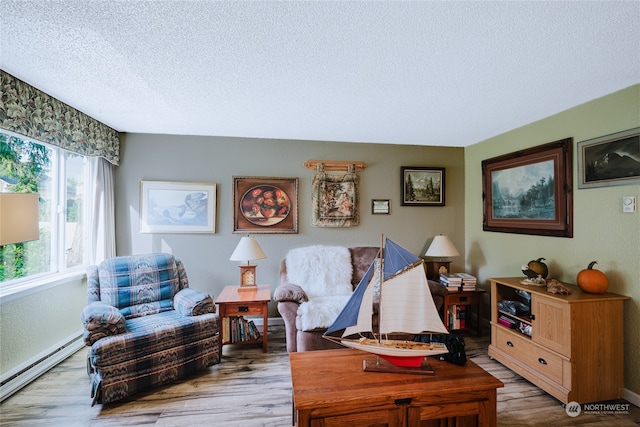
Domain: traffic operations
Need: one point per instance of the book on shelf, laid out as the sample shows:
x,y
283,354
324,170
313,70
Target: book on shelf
x,y
239,329
507,321
457,316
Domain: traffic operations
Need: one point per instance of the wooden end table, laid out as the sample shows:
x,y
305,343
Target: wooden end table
x,y
467,298
330,388
234,303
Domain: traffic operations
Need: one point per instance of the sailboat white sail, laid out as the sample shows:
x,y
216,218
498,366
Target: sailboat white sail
x,y
405,307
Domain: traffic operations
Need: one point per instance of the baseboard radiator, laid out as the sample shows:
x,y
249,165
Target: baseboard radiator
x,y
22,375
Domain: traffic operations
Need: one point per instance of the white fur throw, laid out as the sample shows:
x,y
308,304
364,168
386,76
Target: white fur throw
x,y
320,270
320,312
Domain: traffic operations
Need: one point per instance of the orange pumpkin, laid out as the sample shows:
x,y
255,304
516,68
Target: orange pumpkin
x,y
592,281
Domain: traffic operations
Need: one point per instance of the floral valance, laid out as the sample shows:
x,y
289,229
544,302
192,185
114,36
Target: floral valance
x,y
30,112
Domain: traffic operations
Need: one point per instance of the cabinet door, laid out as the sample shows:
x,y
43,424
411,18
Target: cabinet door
x,y
551,324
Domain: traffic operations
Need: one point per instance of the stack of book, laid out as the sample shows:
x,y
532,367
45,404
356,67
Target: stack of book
x,y
452,281
459,281
468,281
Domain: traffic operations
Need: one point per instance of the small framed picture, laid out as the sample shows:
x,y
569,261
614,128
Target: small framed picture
x,y
422,186
380,206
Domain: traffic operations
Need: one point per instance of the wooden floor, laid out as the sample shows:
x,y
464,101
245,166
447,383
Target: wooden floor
x,y
250,389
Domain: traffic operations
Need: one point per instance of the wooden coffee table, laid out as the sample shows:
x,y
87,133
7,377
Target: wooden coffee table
x,y
330,388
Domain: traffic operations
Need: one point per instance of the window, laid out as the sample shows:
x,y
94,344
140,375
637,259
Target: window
x,y
62,180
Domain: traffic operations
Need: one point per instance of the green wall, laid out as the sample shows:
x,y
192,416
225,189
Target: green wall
x,y
218,159
601,231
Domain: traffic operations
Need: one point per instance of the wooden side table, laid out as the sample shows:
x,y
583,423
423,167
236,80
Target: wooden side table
x,y
232,303
467,298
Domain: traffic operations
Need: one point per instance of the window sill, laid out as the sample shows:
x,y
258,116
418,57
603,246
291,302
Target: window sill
x,y
14,291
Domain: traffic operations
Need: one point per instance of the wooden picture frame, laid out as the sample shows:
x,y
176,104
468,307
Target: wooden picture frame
x,y
380,206
422,186
610,160
530,191
263,205
177,207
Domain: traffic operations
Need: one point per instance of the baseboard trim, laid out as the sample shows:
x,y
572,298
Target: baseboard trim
x,y
22,375
272,321
632,397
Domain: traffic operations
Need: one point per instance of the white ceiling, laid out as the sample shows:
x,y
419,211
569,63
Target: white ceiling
x,y
422,73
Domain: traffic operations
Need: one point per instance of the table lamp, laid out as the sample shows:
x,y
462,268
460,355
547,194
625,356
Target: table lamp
x,y
18,218
247,250
440,249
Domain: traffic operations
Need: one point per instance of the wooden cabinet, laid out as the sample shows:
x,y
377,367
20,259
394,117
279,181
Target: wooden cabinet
x,y
571,346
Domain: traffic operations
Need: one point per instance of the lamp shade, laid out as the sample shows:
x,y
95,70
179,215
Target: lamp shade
x,y
247,250
18,218
441,247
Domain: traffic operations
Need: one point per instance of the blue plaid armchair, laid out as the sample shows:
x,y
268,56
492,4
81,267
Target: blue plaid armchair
x,y
145,326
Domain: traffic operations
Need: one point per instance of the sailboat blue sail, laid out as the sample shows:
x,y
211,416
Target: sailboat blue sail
x,y
396,259
405,307
349,314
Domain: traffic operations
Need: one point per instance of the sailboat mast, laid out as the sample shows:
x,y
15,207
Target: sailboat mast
x,y
380,281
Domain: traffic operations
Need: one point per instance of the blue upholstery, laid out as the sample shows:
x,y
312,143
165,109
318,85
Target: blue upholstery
x,y
145,326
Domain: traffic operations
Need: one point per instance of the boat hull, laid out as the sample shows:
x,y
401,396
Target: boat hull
x,y
402,357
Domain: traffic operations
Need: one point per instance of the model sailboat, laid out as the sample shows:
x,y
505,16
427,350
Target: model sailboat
x,y
406,307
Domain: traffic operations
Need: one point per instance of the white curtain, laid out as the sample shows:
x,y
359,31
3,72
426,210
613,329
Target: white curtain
x,y
103,235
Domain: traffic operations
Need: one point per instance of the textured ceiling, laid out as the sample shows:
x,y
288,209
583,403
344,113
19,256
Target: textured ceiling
x,y
423,73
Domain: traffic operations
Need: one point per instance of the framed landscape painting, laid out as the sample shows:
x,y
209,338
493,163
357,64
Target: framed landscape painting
x,y
610,160
177,207
530,191
422,186
265,205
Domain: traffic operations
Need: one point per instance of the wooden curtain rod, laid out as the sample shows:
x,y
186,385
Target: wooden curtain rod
x,y
335,165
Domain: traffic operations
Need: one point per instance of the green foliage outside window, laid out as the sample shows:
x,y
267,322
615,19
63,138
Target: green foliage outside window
x,y
23,165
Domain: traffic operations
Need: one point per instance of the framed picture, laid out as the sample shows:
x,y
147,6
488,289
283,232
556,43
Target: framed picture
x,y
265,205
422,186
380,206
610,160
177,207
530,191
